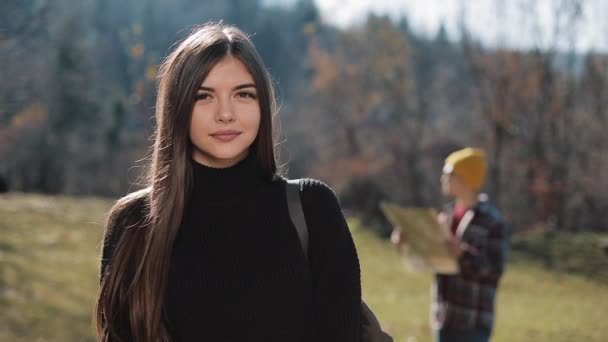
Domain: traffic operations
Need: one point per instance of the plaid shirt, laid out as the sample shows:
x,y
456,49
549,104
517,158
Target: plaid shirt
x,y
465,301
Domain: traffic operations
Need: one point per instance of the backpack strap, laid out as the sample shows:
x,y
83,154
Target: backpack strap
x,y
293,189
370,327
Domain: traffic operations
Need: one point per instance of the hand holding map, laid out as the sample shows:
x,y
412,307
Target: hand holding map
x,y
425,247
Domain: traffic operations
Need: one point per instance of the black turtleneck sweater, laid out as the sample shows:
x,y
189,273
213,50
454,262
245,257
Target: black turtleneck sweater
x,y
238,272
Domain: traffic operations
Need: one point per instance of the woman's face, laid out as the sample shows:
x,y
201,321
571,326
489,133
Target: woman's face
x,y
226,115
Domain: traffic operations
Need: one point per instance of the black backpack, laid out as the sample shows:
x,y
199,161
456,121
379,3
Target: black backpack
x,y
370,328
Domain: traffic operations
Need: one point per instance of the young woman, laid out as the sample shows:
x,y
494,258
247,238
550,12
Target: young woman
x,y
207,252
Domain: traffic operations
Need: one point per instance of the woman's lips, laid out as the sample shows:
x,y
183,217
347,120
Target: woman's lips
x,y
225,136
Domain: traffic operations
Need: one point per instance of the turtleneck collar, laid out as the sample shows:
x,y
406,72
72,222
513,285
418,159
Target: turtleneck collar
x,y
227,185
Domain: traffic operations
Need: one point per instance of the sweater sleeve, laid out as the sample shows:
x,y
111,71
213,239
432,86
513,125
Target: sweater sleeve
x,y
334,264
127,211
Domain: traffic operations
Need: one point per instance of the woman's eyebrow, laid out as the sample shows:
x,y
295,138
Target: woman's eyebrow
x,y
246,85
240,86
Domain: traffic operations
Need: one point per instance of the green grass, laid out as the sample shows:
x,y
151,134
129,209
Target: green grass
x,y
575,253
49,248
533,304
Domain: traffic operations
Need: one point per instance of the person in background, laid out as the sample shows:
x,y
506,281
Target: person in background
x,y
462,307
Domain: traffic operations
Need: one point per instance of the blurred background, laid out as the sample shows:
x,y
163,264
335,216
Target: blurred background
x,y
373,94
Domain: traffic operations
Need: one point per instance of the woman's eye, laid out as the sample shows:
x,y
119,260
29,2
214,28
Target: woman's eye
x,y
203,96
246,94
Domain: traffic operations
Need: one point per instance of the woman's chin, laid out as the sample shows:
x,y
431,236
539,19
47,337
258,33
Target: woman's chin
x,y
220,160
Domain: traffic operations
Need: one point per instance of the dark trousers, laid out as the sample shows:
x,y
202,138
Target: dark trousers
x,y
452,335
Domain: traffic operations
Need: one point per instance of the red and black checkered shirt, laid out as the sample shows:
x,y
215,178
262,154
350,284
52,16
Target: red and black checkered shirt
x,y
465,301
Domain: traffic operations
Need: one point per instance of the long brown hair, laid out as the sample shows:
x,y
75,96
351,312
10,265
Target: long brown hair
x,y
131,296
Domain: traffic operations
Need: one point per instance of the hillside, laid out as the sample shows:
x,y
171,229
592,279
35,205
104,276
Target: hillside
x,y
49,248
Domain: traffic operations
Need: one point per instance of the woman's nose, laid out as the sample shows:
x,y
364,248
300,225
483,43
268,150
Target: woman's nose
x,y
226,111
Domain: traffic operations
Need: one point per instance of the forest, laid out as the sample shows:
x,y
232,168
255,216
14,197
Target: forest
x,y
371,109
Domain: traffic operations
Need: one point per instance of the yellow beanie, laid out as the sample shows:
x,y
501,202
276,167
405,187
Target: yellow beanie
x,y
469,164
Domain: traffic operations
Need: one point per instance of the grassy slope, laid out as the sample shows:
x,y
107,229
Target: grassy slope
x,y
532,305
48,282
48,266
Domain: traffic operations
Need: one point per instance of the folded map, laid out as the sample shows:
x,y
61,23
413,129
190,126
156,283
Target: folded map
x,y
425,245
